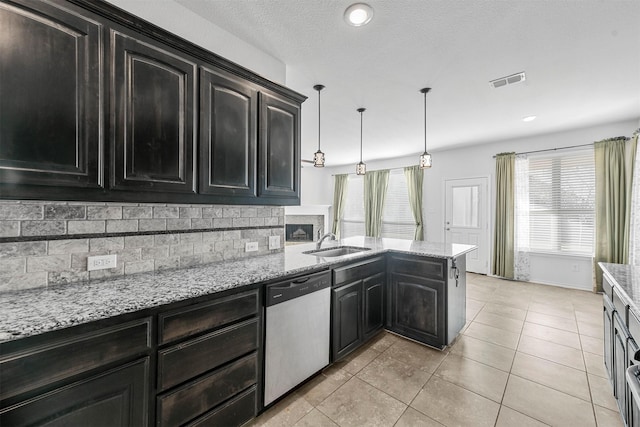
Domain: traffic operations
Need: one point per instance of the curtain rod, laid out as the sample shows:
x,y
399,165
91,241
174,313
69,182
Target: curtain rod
x,y
389,169
553,149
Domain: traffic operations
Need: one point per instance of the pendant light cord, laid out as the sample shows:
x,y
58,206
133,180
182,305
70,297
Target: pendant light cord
x,y
424,91
425,121
319,119
361,135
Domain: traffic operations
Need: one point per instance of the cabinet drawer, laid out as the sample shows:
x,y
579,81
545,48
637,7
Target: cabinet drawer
x,y
358,270
234,413
620,306
188,321
47,364
198,397
634,326
118,397
414,266
607,287
187,360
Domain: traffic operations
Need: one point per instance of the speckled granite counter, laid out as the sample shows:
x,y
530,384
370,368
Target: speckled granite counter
x,y
31,312
627,279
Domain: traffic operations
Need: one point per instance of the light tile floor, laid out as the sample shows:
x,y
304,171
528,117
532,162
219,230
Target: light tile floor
x,y
530,355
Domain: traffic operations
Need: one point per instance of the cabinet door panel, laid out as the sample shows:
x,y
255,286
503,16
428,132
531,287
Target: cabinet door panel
x,y
418,307
608,335
280,148
228,135
347,326
50,97
116,398
153,113
620,336
373,296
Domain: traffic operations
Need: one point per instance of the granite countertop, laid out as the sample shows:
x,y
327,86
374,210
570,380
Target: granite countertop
x,y
36,311
626,278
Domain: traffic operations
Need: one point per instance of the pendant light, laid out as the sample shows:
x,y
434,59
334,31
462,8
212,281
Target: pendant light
x,y
361,168
318,157
425,158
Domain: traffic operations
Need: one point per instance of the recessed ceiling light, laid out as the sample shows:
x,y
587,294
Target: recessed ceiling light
x,y
528,118
358,14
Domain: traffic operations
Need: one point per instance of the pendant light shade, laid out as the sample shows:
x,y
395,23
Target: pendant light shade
x,y
318,156
361,168
425,158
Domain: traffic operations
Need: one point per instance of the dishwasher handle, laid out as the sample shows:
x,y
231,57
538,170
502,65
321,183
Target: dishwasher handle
x,y
284,291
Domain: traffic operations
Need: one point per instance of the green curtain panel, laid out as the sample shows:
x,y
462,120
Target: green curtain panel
x,y
415,177
614,176
339,198
503,241
375,191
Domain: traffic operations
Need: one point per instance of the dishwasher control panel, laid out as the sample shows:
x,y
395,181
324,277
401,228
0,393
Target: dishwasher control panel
x,y
293,288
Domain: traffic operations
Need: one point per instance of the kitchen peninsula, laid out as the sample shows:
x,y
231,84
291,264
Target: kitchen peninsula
x,y
191,328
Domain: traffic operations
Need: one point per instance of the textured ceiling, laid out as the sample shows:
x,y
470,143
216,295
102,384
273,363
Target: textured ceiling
x,y
582,60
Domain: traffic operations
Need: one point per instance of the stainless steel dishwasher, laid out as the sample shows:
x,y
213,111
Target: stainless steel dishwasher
x,y
297,332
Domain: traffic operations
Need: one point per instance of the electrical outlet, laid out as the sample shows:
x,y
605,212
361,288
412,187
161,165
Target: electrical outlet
x,y
251,246
101,262
274,242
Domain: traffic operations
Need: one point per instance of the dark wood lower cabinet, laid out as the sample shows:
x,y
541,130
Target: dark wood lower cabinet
x,y
620,363
233,413
621,332
209,391
417,307
209,369
426,298
118,397
373,290
607,314
358,302
203,368
346,318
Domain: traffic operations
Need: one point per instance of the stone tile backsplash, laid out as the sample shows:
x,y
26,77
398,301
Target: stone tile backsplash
x,y
47,243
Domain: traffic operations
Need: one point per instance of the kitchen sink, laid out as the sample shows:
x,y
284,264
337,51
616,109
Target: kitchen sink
x,y
336,251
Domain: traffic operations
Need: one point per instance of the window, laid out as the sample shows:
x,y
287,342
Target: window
x,y
397,219
352,223
561,208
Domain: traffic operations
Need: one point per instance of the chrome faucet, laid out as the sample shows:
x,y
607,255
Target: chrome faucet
x,y
331,235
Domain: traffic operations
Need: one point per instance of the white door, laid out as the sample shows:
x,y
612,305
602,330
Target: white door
x,y
466,219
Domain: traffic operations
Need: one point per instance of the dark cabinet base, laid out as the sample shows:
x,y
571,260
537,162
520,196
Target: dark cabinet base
x,y
116,398
357,305
426,298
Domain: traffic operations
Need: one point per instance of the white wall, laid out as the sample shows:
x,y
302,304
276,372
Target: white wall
x,y
179,20
477,161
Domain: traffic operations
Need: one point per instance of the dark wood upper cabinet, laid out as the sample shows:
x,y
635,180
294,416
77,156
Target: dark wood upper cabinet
x,y
98,105
50,96
152,109
279,148
228,134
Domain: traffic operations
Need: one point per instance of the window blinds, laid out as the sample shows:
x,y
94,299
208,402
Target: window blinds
x,y
562,202
397,219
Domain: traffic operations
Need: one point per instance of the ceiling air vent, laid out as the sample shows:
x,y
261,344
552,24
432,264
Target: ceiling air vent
x,y
508,80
